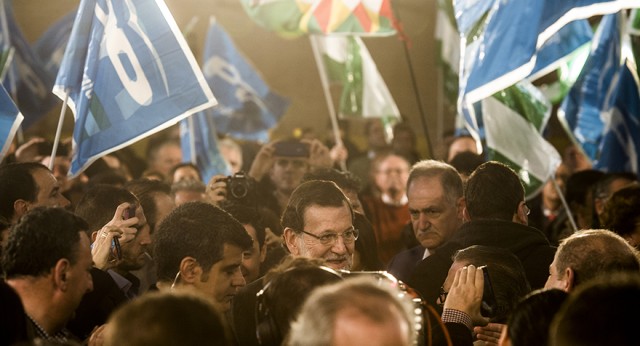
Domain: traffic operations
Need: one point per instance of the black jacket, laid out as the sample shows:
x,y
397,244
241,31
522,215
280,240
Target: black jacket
x,y
527,243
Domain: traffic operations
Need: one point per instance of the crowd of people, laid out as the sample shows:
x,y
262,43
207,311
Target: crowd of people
x,y
292,249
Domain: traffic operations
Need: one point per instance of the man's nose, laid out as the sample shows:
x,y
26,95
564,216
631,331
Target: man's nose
x,y
63,201
423,221
238,279
339,246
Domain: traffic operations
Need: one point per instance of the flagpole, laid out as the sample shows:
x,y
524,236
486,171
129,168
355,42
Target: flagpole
x,y
327,95
564,203
192,140
56,140
423,117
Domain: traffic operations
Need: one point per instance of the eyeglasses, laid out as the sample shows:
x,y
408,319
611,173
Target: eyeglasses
x,y
442,296
329,238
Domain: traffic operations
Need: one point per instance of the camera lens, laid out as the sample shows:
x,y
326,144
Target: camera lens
x,y
239,190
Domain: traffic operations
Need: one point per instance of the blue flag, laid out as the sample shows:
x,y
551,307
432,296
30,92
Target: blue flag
x,y
28,80
590,95
10,119
128,73
247,108
621,139
504,40
201,129
51,45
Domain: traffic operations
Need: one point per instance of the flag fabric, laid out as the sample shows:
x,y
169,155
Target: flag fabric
x,y
620,151
29,82
634,31
348,62
513,122
199,131
448,42
292,18
128,73
247,109
503,39
51,45
6,50
10,119
580,112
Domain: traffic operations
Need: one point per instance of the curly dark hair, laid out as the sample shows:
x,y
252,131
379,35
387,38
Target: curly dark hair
x,y
199,230
41,238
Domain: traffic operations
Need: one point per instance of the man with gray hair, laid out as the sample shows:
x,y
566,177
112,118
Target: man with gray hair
x,y
356,311
588,254
434,190
496,215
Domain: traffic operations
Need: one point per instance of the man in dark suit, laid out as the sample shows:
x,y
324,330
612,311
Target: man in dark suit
x,y
497,216
434,190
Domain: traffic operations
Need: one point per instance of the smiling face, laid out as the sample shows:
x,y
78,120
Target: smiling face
x,y
223,280
434,218
319,220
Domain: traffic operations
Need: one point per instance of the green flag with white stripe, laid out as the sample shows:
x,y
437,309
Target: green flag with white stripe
x,y
514,120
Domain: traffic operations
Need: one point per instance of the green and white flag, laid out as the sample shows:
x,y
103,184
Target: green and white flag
x,y
364,92
634,35
514,119
448,43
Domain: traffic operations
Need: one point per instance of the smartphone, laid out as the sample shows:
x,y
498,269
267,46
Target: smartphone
x,y
489,304
291,148
115,243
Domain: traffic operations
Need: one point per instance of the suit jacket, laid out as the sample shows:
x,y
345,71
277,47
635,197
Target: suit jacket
x,y
403,264
527,243
97,305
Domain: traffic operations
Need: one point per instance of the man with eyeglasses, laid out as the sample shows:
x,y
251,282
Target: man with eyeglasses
x,y
318,223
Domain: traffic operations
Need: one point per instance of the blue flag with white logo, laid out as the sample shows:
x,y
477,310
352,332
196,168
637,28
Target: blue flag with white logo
x,y
128,73
27,80
620,150
247,108
503,40
501,46
10,119
51,45
590,95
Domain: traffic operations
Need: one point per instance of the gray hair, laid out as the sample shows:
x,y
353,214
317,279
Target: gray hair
x,y
449,177
376,300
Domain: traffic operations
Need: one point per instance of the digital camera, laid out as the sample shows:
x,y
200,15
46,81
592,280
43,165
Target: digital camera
x,y
239,186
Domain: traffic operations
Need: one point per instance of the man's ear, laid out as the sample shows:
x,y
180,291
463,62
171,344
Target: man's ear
x,y
291,240
190,270
521,215
569,280
61,274
263,251
461,209
94,235
20,207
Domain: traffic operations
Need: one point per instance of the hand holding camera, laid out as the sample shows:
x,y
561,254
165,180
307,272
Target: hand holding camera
x,y
217,189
